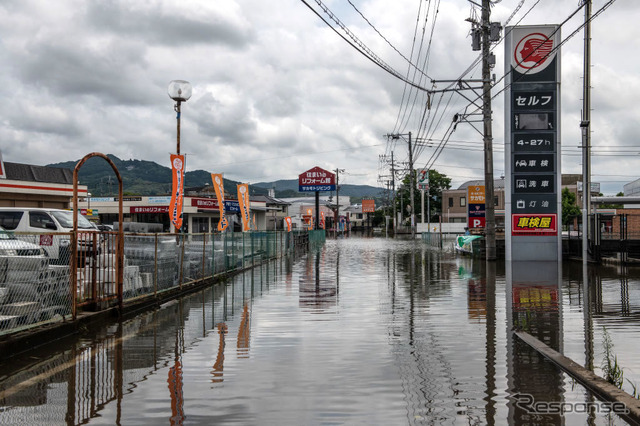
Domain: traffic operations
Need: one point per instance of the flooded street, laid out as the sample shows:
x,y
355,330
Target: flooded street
x,y
361,331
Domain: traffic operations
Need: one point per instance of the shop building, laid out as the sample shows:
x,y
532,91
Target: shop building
x,y
200,215
25,185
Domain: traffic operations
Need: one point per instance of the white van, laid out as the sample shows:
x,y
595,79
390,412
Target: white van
x,y
42,221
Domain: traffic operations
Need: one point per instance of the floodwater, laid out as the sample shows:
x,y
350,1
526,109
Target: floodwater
x,y
370,331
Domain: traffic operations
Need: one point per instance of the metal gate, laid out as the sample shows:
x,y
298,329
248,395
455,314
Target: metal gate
x,y
97,258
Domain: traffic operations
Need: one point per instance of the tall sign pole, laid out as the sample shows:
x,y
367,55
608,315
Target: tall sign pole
x,y
533,205
316,180
337,219
393,193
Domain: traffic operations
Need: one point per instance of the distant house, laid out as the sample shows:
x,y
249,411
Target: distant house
x,y
357,219
455,203
302,206
275,211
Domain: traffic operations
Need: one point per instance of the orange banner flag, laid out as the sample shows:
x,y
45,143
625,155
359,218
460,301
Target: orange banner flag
x,y
288,221
243,200
177,188
218,185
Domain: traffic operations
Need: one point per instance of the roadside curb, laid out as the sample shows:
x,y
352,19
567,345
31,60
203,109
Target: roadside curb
x,y
587,378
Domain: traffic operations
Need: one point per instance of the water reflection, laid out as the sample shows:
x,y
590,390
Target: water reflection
x,y
218,367
533,306
319,295
368,331
608,298
94,376
175,382
426,313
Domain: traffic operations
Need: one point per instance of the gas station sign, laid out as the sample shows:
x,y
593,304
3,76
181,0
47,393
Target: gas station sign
x,y
532,146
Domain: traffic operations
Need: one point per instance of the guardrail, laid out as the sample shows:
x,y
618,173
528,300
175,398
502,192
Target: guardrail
x,y
35,269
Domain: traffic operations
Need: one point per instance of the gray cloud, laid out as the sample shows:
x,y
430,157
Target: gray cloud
x,y
172,23
275,92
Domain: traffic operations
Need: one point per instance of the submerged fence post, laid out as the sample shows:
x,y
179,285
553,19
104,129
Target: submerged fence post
x,y
204,248
181,260
225,253
155,266
73,282
213,254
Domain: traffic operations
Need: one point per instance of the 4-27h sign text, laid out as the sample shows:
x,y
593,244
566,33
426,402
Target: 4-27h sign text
x,y
316,179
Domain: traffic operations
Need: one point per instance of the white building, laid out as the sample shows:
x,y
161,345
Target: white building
x,y
305,206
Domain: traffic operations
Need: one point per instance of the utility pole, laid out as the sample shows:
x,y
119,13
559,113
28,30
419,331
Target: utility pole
x,y
586,133
411,182
490,218
411,189
391,185
482,35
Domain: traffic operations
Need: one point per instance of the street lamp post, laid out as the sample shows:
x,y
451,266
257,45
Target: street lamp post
x,y
179,91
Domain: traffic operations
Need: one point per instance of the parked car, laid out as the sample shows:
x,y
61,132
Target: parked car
x,y
41,222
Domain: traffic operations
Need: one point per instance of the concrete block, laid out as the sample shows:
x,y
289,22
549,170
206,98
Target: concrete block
x,y
8,321
20,308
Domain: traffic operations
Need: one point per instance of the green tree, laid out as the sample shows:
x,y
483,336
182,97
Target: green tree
x,y
378,218
570,209
437,183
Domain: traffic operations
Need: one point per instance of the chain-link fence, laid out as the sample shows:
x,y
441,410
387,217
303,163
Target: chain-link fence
x,y
36,284
34,279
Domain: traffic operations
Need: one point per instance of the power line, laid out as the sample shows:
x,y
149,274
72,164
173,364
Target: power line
x,y
408,111
386,40
361,47
298,155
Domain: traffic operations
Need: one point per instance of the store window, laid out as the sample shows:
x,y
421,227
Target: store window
x,y
201,225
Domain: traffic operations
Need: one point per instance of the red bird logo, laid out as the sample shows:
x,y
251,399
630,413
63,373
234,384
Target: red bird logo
x,y
533,50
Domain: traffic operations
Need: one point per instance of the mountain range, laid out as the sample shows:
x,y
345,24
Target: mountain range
x,y
142,177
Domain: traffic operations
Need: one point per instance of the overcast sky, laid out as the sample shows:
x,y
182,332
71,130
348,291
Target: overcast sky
x,y
276,92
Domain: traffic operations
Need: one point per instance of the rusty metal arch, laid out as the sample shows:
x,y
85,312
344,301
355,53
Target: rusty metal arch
x,y
74,239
